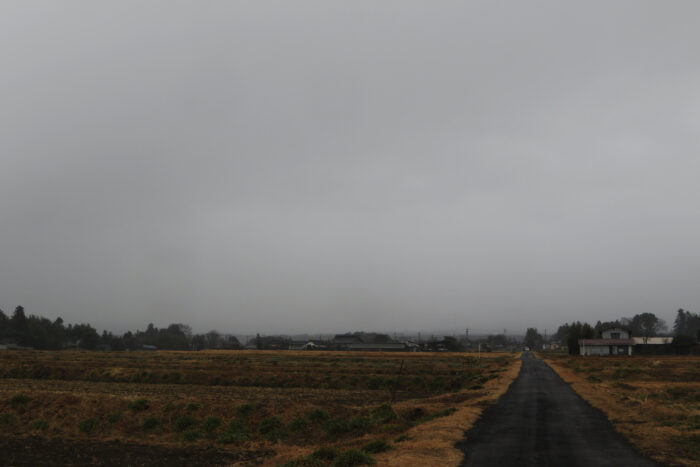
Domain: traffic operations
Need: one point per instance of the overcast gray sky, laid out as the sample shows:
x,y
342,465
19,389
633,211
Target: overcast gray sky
x,y
361,165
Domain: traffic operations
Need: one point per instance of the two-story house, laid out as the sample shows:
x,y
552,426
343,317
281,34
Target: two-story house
x,y
614,341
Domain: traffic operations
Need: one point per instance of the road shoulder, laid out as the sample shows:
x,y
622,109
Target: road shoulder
x,y
633,414
436,442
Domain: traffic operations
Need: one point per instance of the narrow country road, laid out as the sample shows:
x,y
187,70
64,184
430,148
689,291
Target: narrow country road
x,y
540,421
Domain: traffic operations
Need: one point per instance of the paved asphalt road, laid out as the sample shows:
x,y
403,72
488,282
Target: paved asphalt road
x,y
540,421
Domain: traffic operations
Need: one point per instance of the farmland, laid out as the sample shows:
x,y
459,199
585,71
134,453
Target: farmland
x,y
242,407
654,401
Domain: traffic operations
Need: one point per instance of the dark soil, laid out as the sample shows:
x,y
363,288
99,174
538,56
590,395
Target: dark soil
x,y
36,451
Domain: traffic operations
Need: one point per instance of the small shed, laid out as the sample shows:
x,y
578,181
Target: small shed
x,y
657,345
303,345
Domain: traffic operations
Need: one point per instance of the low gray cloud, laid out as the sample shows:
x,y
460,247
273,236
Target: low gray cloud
x,y
318,166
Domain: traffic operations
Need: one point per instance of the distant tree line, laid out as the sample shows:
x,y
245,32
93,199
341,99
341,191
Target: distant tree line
x,y
270,342
499,341
41,333
686,324
686,329
533,339
571,333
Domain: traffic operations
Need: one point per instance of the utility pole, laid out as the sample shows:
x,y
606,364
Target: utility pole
x,y
466,334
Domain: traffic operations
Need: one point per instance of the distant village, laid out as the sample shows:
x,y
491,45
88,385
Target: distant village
x,y
642,334
377,342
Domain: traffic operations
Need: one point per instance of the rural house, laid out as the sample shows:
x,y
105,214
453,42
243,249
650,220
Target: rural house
x,y
614,341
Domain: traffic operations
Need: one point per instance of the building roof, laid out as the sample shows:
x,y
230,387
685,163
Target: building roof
x,y
606,342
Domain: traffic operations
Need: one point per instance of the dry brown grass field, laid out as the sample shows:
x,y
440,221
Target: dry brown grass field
x,y
252,407
654,401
